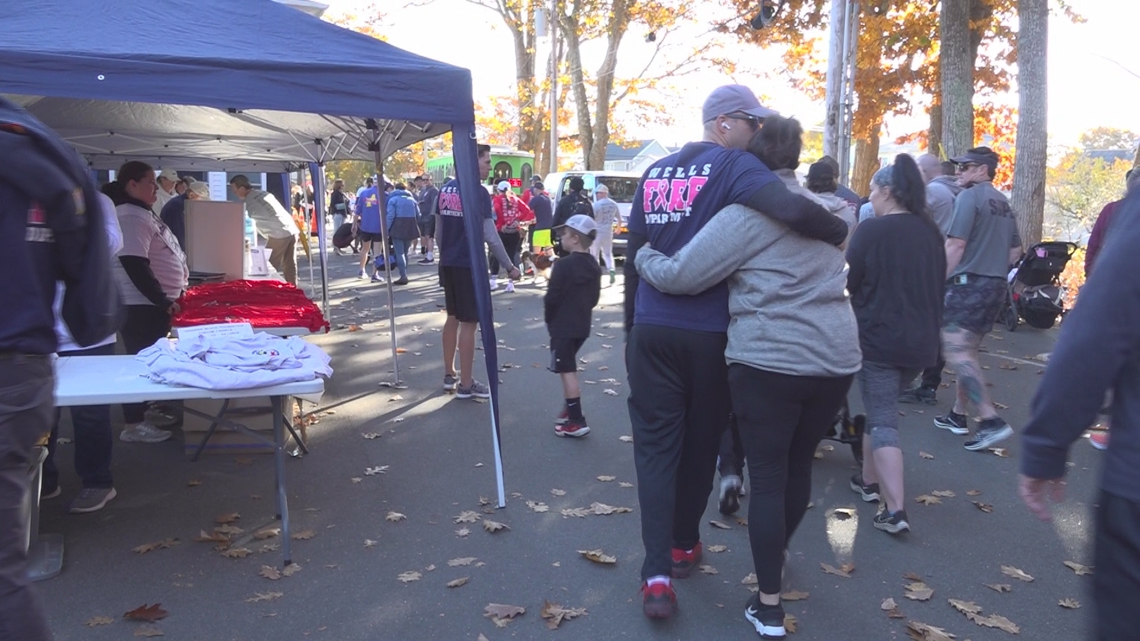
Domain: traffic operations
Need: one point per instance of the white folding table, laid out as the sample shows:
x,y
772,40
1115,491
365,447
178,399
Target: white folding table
x,y
112,380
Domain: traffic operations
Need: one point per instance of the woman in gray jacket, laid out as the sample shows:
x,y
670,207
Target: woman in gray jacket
x,y
793,348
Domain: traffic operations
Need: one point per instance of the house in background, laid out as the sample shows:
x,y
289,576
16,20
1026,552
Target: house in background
x,y
635,158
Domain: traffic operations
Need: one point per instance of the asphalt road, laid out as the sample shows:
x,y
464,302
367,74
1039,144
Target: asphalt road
x,y
438,457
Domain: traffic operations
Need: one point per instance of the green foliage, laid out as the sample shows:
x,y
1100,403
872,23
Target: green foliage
x,y
1077,188
1109,138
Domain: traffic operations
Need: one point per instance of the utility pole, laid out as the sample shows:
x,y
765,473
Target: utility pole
x,y
850,45
555,19
840,100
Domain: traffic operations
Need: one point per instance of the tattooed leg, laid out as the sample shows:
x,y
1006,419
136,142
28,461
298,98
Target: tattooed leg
x,y
961,352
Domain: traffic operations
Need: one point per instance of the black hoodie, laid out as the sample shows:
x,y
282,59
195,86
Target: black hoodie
x,y
574,288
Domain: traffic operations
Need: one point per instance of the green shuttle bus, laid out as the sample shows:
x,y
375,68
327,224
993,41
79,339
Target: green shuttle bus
x,y
515,167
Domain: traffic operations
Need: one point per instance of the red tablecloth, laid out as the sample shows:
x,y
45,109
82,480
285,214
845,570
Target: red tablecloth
x,y
261,303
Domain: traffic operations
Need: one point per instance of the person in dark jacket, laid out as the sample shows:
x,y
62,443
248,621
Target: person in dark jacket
x,y
50,224
543,212
573,203
1096,352
403,228
841,190
897,270
570,299
173,213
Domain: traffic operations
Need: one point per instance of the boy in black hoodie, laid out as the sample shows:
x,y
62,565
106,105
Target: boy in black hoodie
x,y
573,291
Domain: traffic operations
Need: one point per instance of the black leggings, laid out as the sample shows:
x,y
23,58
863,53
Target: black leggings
x,y
511,243
781,420
145,324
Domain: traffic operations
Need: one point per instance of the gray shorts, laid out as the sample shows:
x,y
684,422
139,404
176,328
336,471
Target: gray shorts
x,y
881,385
974,306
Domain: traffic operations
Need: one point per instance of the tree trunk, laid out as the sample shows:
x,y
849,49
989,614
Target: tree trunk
x,y
956,66
571,36
866,160
934,133
522,32
619,22
1030,156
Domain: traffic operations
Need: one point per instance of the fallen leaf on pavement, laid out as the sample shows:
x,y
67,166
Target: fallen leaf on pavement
x,y
558,492
716,549
973,492
923,632
946,494
270,572
790,623
237,553
303,535
918,591
370,435
999,587
1081,570
373,471
1001,406
462,532
1000,452
555,614
369,543
1069,604
843,570
494,526
149,631
291,569
741,522
926,499
965,607
228,530
624,484
793,595
458,582
215,537
911,576
268,547
888,604
985,507
157,545
482,638
268,533
625,439
580,512
500,614
97,621
926,456
267,596
1009,570
466,560
995,621
598,556
606,479
707,569
610,392
722,526
601,509
227,518
750,579
395,516
538,506
409,576
467,516
148,613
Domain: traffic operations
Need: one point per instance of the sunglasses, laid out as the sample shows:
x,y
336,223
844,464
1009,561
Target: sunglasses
x,y
753,122
966,166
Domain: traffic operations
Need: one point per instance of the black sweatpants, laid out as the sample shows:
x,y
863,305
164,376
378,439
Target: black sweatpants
x,y
511,243
1116,582
781,420
932,376
677,406
145,324
731,451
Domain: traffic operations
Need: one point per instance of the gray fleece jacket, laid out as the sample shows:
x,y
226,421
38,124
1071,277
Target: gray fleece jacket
x,y
787,294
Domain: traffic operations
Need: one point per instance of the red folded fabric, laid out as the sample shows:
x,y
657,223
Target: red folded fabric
x,y
261,303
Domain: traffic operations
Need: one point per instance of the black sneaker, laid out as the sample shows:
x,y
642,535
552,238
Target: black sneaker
x,y
990,432
892,522
767,619
919,395
730,493
954,422
870,493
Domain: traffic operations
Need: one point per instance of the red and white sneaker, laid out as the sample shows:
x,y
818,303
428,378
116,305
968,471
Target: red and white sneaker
x,y
1099,439
684,562
572,429
658,601
563,417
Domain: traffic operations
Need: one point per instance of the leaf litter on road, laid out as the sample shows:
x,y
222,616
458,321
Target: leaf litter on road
x,y
467,516
494,526
98,621
1069,604
999,587
501,614
409,576
147,612
1016,573
717,549
395,516
598,556
555,614
919,631
1081,570
157,545
844,570
720,525
460,582
927,499
918,591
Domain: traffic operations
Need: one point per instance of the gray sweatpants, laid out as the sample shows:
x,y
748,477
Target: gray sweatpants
x,y
881,385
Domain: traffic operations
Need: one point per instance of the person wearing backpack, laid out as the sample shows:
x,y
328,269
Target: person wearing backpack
x,y
575,202
511,215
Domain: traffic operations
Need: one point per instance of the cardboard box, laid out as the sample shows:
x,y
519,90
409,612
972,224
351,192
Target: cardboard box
x,y
254,413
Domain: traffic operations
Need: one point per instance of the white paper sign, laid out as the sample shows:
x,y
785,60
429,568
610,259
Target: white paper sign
x,y
258,263
218,188
217,330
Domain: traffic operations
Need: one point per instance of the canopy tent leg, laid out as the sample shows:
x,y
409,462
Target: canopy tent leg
x,y
308,250
317,171
466,168
387,269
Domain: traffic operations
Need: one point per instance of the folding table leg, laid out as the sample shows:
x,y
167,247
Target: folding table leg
x,y
213,428
278,404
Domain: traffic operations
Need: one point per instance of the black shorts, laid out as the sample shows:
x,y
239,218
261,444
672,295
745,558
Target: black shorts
x,y
974,306
369,237
459,293
564,354
427,226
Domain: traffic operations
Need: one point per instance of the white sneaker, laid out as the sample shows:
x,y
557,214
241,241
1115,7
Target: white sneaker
x,y
494,284
362,275
143,433
510,286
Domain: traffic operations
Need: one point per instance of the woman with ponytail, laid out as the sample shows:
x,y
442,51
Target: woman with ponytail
x,y
897,272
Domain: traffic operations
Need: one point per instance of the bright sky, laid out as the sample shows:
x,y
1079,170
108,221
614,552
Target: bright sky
x,y
1086,90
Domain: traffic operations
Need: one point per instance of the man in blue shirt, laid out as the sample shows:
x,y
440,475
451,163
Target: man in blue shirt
x,y
367,226
678,404
458,280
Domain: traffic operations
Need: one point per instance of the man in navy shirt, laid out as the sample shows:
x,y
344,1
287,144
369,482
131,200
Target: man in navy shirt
x,y
458,284
678,404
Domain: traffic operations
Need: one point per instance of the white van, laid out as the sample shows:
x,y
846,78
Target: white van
x,y
622,185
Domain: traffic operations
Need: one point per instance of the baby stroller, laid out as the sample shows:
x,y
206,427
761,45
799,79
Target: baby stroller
x,y
1035,291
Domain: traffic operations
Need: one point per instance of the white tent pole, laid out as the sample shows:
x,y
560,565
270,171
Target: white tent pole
x,y
388,281
322,240
309,250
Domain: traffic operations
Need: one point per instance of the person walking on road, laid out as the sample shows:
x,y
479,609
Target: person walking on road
x,y
458,284
607,216
511,218
792,350
428,200
897,270
981,245
274,223
1095,352
678,377
543,213
403,228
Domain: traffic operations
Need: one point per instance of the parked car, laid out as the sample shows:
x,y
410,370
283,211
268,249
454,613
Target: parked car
x,y
622,185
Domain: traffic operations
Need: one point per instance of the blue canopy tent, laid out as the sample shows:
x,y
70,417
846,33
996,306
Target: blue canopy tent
x,y
249,86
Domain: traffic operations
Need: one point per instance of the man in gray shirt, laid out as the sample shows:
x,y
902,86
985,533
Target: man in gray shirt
x,y
981,243
274,223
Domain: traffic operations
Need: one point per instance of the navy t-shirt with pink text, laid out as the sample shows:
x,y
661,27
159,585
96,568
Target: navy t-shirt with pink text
x,y
453,251
676,197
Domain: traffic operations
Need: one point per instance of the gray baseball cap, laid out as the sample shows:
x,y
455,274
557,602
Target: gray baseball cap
x,y
731,99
